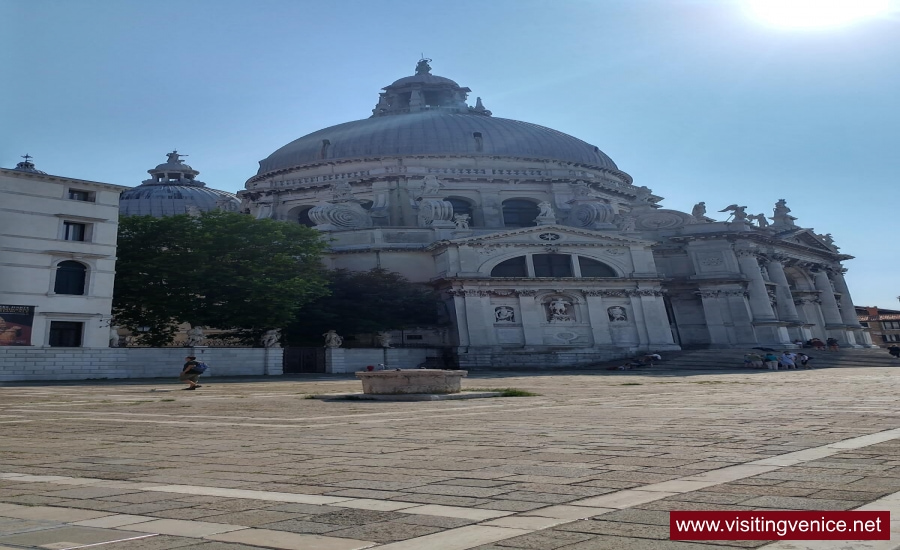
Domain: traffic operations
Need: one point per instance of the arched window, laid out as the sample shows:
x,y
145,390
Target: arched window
x,y
70,278
552,265
514,267
519,213
593,268
461,206
303,217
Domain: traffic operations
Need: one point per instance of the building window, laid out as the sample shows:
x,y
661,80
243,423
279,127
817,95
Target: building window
x,y
73,231
70,278
414,337
891,337
461,206
304,219
552,265
890,325
514,267
593,268
78,195
65,334
519,213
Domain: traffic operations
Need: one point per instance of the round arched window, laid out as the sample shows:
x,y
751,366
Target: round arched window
x,y
70,278
519,213
593,268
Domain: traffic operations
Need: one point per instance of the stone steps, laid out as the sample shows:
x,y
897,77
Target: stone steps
x,y
730,359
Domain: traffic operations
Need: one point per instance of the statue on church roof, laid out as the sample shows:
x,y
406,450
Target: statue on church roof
x,y
175,157
699,210
422,67
760,220
781,216
739,212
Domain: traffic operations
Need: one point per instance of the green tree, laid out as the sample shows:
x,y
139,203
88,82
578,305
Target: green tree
x,y
363,302
219,269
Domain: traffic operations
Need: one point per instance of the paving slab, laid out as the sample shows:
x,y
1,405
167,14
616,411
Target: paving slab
x,y
290,541
69,537
183,528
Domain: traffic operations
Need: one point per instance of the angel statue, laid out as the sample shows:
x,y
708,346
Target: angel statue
x,y
737,211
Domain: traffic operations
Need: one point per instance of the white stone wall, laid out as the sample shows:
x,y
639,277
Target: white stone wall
x,y
33,209
26,363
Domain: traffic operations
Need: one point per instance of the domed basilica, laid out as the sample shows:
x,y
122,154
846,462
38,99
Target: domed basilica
x,y
545,252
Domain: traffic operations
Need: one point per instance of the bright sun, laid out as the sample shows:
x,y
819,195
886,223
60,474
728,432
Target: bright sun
x,y
816,13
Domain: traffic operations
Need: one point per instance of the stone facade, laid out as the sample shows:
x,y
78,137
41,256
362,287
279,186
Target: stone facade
x,y
57,255
542,248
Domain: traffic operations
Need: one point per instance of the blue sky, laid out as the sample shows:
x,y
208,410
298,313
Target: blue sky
x,y
695,99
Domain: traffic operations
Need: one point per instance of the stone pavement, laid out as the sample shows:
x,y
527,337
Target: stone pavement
x,y
595,461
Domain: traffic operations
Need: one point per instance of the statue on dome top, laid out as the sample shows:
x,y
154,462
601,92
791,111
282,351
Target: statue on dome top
x,y
422,67
175,157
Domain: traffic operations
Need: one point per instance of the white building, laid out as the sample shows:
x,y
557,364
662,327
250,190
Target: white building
x,y
57,258
546,252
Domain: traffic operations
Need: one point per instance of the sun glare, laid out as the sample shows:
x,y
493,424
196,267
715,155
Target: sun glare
x,y
812,14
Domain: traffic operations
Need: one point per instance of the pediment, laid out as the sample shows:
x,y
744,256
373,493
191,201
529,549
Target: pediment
x,y
807,237
544,235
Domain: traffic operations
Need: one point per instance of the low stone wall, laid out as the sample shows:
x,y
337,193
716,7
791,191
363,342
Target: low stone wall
x,y
339,360
26,363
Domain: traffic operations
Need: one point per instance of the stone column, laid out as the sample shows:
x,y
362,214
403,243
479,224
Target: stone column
x,y
481,328
655,318
532,317
848,310
760,305
768,328
786,308
598,317
830,310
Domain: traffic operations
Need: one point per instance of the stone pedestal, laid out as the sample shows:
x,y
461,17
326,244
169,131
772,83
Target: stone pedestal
x,y
394,382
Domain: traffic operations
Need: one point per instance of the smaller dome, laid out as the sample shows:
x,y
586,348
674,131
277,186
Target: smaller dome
x,y
172,167
426,78
27,165
172,190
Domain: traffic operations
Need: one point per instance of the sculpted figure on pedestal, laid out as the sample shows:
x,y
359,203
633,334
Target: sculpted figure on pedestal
x,y
760,220
699,210
270,338
332,340
461,221
195,336
781,217
739,212
384,339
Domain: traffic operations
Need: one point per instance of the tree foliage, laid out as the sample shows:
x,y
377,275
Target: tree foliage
x,y
362,302
218,269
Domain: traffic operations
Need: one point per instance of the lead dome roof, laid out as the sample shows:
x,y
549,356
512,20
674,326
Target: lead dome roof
x,y
173,189
428,115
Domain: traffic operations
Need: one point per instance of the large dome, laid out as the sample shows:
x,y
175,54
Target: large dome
x,y
426,114
434,133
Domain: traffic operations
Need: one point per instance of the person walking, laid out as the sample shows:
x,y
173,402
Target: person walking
x,y
771,361
894,350
832,344
188,374
804,360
